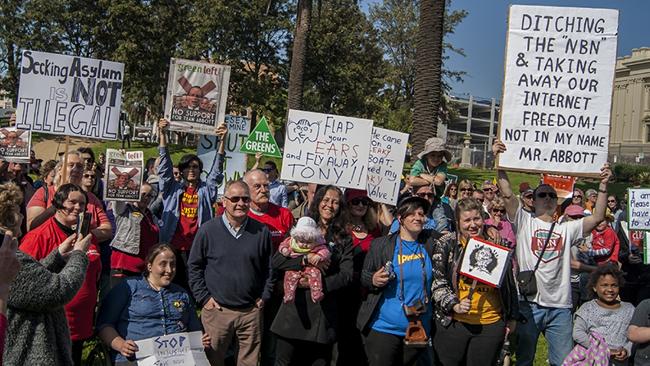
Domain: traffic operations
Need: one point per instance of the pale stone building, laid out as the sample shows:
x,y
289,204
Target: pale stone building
x,y
629,139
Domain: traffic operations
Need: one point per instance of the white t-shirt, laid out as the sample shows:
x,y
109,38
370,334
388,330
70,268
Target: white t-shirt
x,y
554,273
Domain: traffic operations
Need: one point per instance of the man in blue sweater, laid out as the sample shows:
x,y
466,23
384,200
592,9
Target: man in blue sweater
x,y
230,275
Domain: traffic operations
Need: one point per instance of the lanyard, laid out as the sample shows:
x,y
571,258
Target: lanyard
x,y
420,254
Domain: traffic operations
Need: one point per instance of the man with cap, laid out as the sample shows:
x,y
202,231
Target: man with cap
x,y
526,195
547,308
431,167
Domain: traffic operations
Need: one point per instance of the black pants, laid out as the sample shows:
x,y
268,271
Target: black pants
x,y
77,352
467,344
289,352
385,349
126,139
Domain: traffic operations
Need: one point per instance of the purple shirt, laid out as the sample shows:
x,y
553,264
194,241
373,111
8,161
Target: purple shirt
x,y
506,231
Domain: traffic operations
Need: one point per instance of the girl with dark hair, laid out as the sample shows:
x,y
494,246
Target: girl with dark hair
x,y
306,330
147,306
605,316
451,195
70,203
472,319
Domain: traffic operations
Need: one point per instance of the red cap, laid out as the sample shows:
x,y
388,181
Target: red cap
x,y
351,194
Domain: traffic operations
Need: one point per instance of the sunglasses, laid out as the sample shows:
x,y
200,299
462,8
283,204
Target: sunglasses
x,y
359,201
487,189
466,190
501,210
547,194
236,199
576,217
425,195
267,170
611,201
177,173
89,176
577,196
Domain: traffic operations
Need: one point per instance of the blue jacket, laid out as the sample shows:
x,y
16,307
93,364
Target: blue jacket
x,y
172,191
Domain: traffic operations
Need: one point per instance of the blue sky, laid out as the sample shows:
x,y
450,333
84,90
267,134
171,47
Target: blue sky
x,y
482,35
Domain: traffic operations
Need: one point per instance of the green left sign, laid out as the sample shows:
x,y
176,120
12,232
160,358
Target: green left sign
x,y
261,140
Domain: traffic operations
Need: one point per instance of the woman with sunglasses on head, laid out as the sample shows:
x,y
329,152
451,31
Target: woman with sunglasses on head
x,y
472,319
498,219
307,330
187,204
136,231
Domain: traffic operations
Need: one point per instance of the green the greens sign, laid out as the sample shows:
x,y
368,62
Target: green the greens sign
x,y
261,140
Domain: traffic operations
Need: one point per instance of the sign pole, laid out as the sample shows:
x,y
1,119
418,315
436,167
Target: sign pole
x,y
64,171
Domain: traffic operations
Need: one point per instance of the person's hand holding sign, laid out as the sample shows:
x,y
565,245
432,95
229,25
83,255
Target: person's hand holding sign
x,y
221,132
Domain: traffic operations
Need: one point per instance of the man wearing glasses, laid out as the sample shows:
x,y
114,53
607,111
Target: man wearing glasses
x,y
187,204
277,191
230,275
548,310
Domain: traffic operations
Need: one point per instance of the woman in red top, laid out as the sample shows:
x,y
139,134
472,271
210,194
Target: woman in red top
x,y
69,201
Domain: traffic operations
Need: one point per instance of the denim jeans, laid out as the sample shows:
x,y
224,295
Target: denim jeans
x,y
556,325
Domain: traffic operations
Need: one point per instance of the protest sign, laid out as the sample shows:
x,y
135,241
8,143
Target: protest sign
x,y
557,89
123,175
235,164
15,144
638,209
261,140
196,96
485,262
69,95
639,242
387,151
326,149
563,184
173,349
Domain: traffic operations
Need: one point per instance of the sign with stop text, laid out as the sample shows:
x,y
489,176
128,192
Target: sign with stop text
x,y
638,209
174,349
557,89
69,95
387,152
235,163
326,149
197,93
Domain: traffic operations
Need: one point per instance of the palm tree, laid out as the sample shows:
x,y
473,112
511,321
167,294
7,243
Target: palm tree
x,y
428,70
298,54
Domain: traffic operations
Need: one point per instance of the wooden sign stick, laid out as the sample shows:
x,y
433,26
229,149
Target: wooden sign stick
x,y
471,290
64,171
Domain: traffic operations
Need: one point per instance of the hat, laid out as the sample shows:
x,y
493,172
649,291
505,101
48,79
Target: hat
x,y
435,144
524,187
351,194
425,204
574,210
306,231
488,184
527,192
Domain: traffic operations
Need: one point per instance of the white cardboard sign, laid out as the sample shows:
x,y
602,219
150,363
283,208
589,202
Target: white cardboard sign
x,y
326,149
485,262
557,89
638,209
177,349
235,164
69,95
387,151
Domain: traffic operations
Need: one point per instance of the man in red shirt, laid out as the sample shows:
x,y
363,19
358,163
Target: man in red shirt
x,y
278,219
40,209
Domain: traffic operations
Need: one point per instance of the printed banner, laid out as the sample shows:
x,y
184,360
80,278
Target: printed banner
x,y
123,175
174,349
326,149
557,89
69,95
485,262
235,164
638,209
563,184
387,152
15,144
261,140
196,96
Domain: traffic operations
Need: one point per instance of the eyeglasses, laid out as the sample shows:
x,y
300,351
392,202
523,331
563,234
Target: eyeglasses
x,y
177,173
236,199
547,194
611,201
487,190
91,176
267,170
528,196
359,201
501,210
466,190
425,195
577,196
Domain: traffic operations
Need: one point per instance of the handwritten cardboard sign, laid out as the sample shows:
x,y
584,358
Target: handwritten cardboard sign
x,y
326,149
557,89
69,95
15,144
177,349
123,175
196,96
485,262
387,151
638,209
235,164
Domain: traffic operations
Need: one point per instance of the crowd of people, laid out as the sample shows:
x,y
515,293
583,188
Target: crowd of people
x,y
290,273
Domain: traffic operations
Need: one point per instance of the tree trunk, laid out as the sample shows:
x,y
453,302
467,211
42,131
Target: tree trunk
x,y
428,70
298,54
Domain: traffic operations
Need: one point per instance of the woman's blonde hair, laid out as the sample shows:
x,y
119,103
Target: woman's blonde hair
x,y
497,202
11,197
